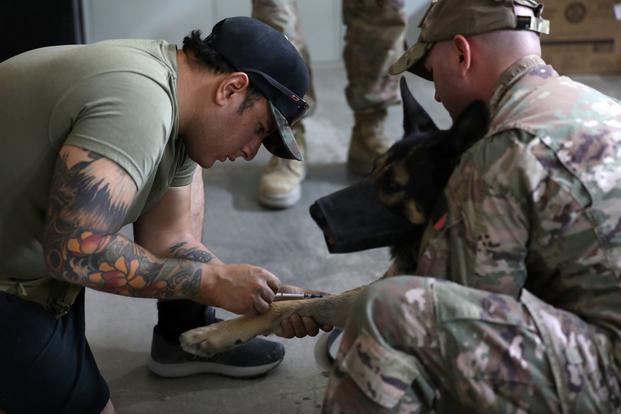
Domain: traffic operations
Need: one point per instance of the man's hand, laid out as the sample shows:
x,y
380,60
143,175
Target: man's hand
x,y
240,288
297,325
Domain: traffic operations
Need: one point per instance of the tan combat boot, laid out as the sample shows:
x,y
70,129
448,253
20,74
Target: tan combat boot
x,y
281,181
367,141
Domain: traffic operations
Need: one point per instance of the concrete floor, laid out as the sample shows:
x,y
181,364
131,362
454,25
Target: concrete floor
x,y
286,242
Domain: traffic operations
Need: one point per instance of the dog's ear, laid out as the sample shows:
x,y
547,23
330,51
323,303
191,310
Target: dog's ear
x,y
471,125
415,118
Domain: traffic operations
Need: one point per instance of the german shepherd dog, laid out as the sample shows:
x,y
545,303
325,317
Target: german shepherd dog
x,y
391,207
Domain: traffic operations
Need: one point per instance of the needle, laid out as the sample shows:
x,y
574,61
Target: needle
x,y
283,295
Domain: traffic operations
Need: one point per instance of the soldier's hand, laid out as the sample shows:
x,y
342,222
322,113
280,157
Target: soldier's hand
x,y
296,325
240,288
300,326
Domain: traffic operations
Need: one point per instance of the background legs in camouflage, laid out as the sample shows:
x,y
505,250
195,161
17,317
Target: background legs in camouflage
x,y
416,344
374,40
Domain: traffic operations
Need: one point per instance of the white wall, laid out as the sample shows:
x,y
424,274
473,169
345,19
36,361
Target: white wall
x,y
171,20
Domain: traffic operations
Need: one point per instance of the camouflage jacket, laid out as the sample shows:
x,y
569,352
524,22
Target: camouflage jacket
x,y
536,204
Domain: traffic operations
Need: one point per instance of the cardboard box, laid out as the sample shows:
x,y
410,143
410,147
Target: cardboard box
x,y
573,56
585,36
581,18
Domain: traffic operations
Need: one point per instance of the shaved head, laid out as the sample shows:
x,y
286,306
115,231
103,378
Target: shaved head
x,y
507,46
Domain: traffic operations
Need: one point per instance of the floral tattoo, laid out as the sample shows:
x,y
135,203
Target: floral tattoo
x,y
82,244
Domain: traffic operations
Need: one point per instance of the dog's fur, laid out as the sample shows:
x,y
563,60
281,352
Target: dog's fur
x,y
410,179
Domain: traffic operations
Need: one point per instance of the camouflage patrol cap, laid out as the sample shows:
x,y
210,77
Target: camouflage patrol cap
x,y
445,19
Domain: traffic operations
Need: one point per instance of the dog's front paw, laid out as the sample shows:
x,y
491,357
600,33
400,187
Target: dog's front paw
x,y
196,342
219,337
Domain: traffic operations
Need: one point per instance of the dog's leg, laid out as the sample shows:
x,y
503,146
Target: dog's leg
x,y
217,337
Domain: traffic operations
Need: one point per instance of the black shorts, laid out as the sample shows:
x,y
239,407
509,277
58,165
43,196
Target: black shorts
x,y
46,365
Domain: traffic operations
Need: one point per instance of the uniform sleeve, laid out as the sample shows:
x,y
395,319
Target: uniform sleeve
x,y
124,116
489,200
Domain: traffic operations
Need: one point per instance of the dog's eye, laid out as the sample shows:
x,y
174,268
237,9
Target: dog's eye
x,y
394,187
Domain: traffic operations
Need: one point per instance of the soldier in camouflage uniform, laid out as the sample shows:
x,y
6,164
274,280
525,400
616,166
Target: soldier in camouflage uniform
x,y
529,319
375,38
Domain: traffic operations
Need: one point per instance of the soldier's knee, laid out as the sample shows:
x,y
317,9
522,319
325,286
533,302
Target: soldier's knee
x,y
396,286
398,310
391,293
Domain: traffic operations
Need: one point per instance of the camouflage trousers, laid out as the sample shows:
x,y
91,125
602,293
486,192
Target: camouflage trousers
x,y
417,345
374,40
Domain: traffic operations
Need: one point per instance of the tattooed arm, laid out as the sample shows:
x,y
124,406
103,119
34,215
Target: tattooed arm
x,y
173,228
89,198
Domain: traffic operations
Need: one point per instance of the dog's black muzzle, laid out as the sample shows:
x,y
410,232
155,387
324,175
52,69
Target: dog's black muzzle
x,y
354,219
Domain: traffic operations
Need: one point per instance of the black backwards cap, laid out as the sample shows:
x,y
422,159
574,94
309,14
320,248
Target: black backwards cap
x,y
275,69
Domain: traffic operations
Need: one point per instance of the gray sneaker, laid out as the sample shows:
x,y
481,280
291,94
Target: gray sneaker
x,y
251,359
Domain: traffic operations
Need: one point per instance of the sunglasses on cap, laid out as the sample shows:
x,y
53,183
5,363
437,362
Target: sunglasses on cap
x,y
296,107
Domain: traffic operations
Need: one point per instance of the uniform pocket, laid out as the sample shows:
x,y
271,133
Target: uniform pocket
x,y
383,374
489,335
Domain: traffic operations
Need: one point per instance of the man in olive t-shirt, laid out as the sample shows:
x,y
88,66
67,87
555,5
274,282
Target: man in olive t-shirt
x,y
98,136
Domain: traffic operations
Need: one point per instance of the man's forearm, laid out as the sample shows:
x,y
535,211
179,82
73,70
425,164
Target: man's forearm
x,y
113,263
194,251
